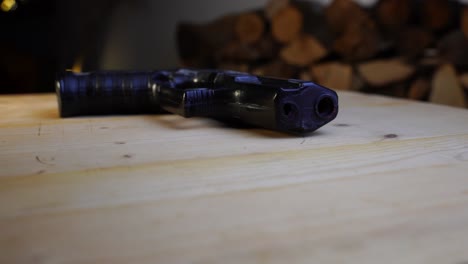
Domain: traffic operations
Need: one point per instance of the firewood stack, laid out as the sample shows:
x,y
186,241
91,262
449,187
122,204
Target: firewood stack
x,y
413,49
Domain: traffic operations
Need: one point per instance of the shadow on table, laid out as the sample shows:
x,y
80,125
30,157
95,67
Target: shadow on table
x,y
180,123
233,125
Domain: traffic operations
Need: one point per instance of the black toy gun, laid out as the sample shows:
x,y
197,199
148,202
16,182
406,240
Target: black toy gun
x,y
293,106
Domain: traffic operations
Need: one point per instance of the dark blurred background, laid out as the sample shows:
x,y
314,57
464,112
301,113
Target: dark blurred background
x,y
41,37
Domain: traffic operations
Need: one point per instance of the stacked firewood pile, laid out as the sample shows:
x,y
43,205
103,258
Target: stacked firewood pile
x,y
413,49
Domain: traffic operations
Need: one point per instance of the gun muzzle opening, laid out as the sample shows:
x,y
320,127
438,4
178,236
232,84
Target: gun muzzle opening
x,y
325,107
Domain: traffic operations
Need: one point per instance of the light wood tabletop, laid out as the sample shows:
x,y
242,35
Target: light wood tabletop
x,y
386,182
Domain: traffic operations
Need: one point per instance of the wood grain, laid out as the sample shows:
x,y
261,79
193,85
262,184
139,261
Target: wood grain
x,y
384,183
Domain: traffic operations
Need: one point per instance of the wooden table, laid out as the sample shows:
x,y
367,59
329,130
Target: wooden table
x,y
386,182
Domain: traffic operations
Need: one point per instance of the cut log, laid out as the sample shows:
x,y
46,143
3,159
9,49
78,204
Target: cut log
x,y
419,89
360,41
237,52
197,42
234,67
249,28
306,76
267,47
453,48
342,13
287,24
393,14
446,88
464,21
412,41
384,72
314,22
343,46
436,14
264,49
464,80
274,6
333,75
277,68
303,51
358,36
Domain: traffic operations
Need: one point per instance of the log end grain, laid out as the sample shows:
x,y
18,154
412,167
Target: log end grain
x,y
249,28
436,14
333,75
464,21
359,41
393,14
277,68
419,89
446,88
341,13
464,81
272,7
384,72
286,24
302,51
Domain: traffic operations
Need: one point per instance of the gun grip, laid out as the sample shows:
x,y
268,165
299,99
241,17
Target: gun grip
x,y
98,93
